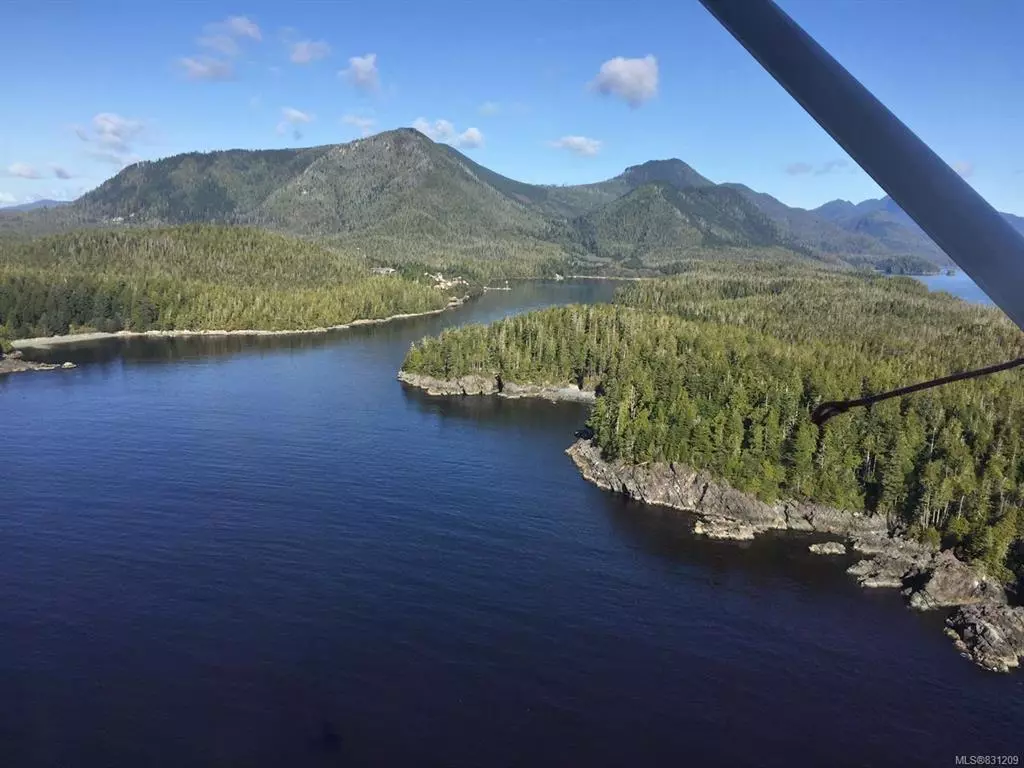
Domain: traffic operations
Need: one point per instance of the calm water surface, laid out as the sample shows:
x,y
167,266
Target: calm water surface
x,y
269,553
958,284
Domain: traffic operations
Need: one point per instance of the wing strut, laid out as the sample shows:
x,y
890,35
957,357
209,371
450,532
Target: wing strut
x,y
945,206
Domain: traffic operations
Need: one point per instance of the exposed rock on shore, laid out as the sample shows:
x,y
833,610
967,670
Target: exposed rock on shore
x,y
947,581
991,635
828,548
490,385
893,560
985,628
722,511
716,527
13,363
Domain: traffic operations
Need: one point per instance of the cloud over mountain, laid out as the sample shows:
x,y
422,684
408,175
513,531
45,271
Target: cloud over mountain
x,y
635,81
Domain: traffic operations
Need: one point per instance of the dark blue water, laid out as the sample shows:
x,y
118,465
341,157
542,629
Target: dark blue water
x,y
269,553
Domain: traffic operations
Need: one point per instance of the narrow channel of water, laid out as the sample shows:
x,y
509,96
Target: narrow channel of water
x,y
267,552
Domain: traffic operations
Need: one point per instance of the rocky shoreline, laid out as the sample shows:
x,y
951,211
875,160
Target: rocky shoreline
x,y
13,363
493,385
75,338
984,627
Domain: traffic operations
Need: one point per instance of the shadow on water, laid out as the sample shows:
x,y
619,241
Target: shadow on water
x,y
530,414
659,531
668,534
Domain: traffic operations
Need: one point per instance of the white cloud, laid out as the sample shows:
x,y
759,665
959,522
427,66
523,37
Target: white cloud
x,y
6,198
221,40
116,132
291,119
444,130
110,138
490,108
471,138
580,145
633,80
362,72
964,168
305,51
438,130
240,26
293,115
799,169
22,171
364,124
206,68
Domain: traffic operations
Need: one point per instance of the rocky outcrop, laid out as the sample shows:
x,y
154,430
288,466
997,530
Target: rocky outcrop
x,y
881,571
828,548
947,581
13,363
464,385
716,527
490,385
985,628
721,511
991,635
892,563
571,394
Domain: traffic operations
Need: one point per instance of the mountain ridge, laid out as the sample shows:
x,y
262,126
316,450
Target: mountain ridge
x,y
398,190
35,204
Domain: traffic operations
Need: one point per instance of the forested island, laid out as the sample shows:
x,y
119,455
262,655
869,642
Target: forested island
x,y
197,277
713,374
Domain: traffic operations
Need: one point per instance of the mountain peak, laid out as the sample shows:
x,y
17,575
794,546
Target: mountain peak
x,y
672,171
403,132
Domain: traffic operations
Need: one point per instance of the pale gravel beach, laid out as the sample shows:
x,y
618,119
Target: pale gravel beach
x,y
77,338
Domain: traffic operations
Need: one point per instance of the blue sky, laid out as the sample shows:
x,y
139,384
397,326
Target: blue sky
x,y
551,92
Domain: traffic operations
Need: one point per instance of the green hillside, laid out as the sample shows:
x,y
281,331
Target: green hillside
x,y
193,277
197,187
400,197
658,223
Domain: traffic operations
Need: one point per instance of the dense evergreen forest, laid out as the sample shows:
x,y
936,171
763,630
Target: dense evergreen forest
x,y
194,277
718,369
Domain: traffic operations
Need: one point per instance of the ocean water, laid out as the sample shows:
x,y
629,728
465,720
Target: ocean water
x,y
958,284
267,552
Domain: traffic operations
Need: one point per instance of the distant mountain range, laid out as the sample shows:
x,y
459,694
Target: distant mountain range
x,y
35,205
399,193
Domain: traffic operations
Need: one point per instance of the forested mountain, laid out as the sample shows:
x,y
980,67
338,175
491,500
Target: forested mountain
x,y
886,221
399,195
810,228
659,223
883,221
719,370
